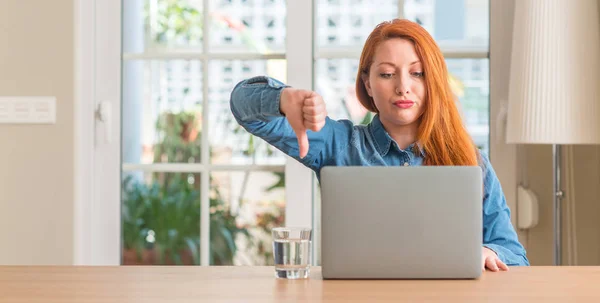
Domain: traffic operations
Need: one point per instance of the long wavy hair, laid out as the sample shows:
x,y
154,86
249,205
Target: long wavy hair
x,y
441,132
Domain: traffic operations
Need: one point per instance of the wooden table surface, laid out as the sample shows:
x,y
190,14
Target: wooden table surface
x,y
257,284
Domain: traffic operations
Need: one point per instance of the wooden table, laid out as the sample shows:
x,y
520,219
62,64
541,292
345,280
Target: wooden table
x,y
257,284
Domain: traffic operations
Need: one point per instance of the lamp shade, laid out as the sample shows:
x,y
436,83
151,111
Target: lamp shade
x,y
554,95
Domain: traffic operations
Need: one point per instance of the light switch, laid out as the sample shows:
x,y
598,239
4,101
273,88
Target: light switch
x,y
28,110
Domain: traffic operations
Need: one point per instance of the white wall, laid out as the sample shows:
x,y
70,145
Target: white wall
x,y
36,161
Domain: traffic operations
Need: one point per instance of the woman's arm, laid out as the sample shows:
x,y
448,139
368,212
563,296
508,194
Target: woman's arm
x,y
255,104
498,232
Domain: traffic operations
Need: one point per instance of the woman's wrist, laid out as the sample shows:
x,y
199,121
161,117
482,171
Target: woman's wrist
x,y
283,100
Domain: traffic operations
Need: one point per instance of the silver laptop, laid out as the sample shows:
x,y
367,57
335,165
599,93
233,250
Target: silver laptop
x,y
422,222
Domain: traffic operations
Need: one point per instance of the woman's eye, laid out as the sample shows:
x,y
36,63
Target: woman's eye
x,y
386,76
418,74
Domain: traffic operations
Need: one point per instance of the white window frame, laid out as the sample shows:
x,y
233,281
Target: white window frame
x,y
83,13
97,215
97,231
96,225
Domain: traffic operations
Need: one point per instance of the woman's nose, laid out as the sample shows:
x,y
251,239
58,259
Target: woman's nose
x,y
402,87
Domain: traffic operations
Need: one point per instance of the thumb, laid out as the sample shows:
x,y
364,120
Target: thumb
x,y
302,142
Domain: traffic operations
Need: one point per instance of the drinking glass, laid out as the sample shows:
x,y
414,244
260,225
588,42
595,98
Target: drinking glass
x,y
291,251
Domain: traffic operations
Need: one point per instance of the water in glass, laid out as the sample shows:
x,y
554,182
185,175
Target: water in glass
x,y
292,258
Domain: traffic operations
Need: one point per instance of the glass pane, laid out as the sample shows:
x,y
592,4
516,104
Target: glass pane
x,y
171,24
162,111
243,26
335,81
244,207
452,23
471,83
229,142
348,23
160,218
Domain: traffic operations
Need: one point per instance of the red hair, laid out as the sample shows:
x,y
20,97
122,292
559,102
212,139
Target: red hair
x,y
441,133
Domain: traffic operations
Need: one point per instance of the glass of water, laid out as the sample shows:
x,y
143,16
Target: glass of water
x,y
291,250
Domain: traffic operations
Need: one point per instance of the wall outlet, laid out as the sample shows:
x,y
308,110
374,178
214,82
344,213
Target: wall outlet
x,y
527,208
27,110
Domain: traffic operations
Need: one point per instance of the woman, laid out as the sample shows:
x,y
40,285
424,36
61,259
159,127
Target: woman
x,y
403,78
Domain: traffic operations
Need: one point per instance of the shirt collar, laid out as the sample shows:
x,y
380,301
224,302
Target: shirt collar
x,y
383,140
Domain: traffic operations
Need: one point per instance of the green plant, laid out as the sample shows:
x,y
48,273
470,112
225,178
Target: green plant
x,y
173,21
179,138
266,221
133,213
223,232
156,209
163,216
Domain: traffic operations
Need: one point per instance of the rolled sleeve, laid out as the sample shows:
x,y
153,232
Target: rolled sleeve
x,y
255,104
257,98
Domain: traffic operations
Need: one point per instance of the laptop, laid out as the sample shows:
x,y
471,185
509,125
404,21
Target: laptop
x,y
383,222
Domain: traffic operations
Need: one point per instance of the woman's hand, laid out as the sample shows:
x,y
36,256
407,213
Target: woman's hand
x,y
491,261
304,110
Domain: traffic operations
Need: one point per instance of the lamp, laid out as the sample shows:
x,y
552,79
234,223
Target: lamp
x,y
555,74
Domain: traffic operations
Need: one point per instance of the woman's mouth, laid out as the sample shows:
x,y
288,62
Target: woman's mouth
x,y
404,103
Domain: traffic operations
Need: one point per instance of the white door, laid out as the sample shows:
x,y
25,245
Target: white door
x,y
169,168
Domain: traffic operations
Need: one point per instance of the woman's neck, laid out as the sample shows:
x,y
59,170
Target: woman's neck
x,y
404,135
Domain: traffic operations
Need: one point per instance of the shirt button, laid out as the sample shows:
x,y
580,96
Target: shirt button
x,y
405,163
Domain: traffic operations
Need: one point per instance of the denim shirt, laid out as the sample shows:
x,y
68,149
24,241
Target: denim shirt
x,y
255,105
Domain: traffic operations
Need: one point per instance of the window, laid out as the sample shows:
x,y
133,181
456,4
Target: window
x,y
192,177
461,28
210,191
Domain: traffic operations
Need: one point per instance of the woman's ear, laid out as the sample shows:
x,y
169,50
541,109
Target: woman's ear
x,y
365,79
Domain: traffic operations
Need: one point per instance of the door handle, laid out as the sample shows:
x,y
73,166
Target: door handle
x,y
104,115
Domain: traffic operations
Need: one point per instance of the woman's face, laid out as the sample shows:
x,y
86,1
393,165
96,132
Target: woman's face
x,y
396,82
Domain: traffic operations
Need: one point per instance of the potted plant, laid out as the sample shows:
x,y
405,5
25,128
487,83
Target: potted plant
x,y
161,217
